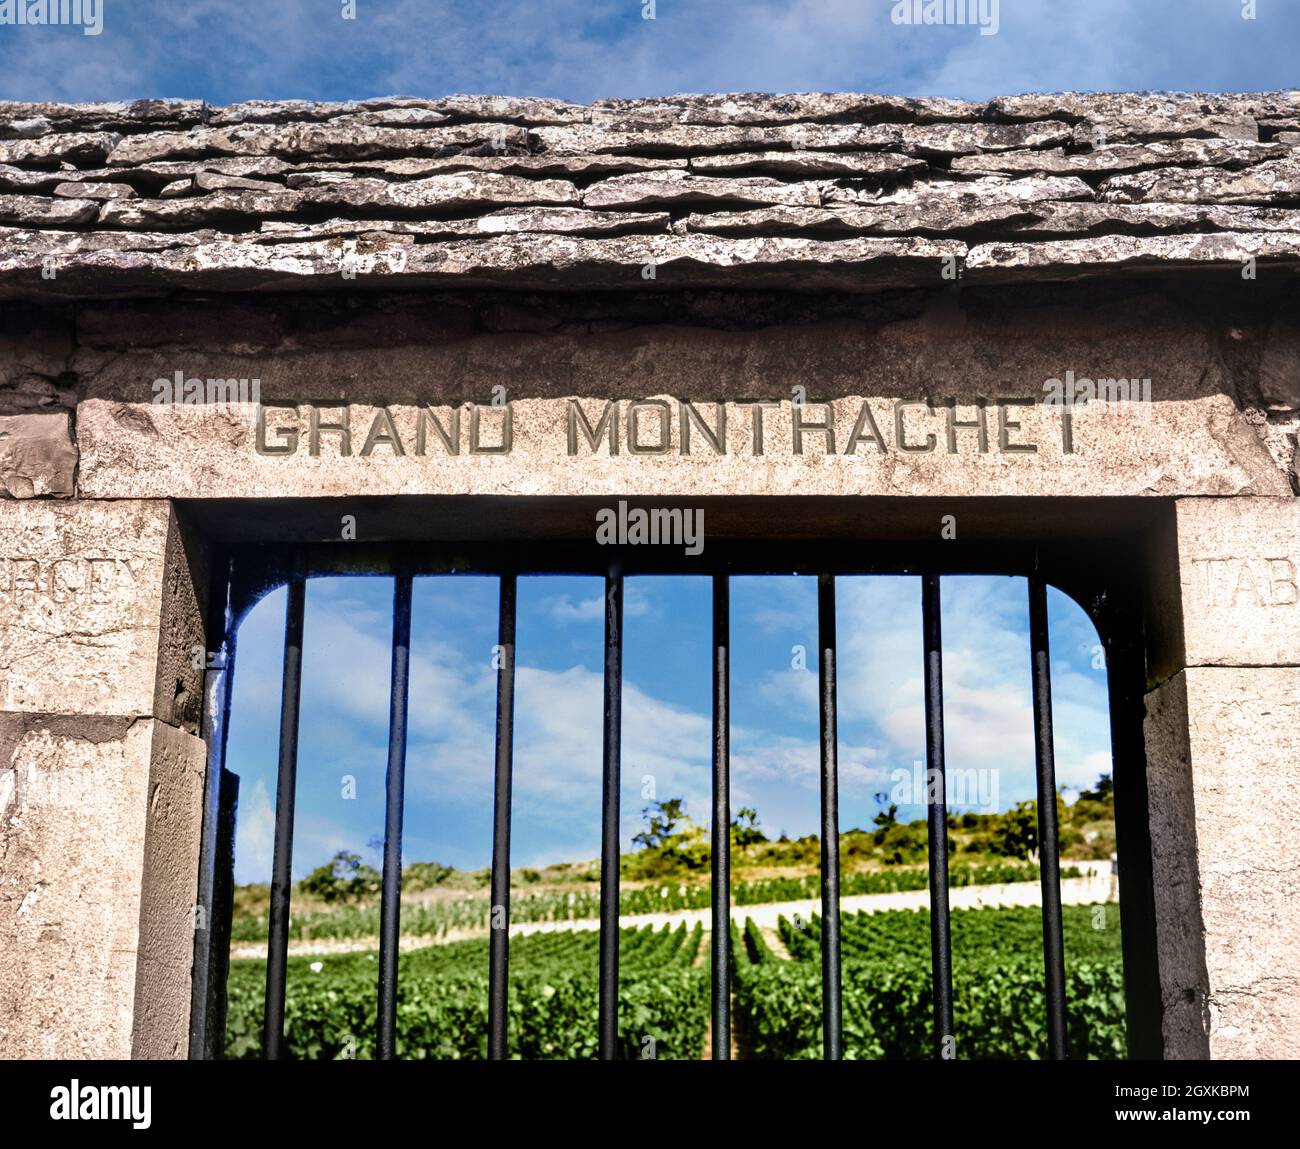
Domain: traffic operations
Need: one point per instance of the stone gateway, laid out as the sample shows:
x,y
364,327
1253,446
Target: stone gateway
x,y
1048,334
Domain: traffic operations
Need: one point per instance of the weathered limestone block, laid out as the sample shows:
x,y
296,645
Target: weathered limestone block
x,y
22,180
261,167
310,175
100,610
558,220
198,210
530,110
1239,570
499,109
132,114
24,129
1279,368
938,216
278,111
963,139
37,455
640,190
812,164
1223,761
35,246
41,211
84,148
1099,129
304,141
957,196
87,190
1191,438
790,107
952,139
99,837
450,192
1275,181
146,178
533,260
35,346
1127,157
217,181
1138,105
1070,258
1081,218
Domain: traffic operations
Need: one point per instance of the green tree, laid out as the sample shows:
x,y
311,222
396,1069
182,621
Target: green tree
x,y
661,820
419,876
887,816
744,828
344,878
1016,834
1105,791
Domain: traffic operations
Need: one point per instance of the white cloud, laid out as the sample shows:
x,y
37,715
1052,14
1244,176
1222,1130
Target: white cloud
x,y
584,49
565,609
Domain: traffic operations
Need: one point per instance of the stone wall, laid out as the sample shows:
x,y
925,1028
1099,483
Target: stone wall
x,y
101,777
1223,738
103,577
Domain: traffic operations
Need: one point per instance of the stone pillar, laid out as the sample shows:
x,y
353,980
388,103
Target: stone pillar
x,y
101,777
1223,746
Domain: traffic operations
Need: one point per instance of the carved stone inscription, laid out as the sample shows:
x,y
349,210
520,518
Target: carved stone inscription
x,y
1239,563
662,426
71,578
81,589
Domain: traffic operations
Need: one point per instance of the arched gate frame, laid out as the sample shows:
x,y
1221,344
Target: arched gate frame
x,y
1099,552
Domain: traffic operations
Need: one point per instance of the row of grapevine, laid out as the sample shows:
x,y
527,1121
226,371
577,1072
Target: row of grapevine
x,y
442,999
439,918
664,992
999,1001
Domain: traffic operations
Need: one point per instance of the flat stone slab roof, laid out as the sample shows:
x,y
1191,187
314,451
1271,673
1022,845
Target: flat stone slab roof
x,y
833,191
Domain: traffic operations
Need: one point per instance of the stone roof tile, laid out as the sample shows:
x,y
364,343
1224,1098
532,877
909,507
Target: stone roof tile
x,y
841,190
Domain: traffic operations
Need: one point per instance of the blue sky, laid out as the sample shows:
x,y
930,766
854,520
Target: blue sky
x,y
666,715
228,50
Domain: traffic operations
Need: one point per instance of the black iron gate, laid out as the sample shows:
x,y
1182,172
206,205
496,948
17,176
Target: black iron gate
x,y
1106,594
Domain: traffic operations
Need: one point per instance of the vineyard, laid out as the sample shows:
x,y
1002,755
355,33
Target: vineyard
x,y
999,1005
442,1000
664,992
437,919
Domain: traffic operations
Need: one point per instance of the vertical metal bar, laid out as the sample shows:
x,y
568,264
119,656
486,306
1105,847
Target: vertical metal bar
x,y
499,947
223,902
1118,615
832,1039
936,793
277,949
1049,854
216,846
609,846
390,904
721,952
207,984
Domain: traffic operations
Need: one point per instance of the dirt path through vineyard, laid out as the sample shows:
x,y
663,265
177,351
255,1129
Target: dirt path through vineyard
x,y
1098,884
